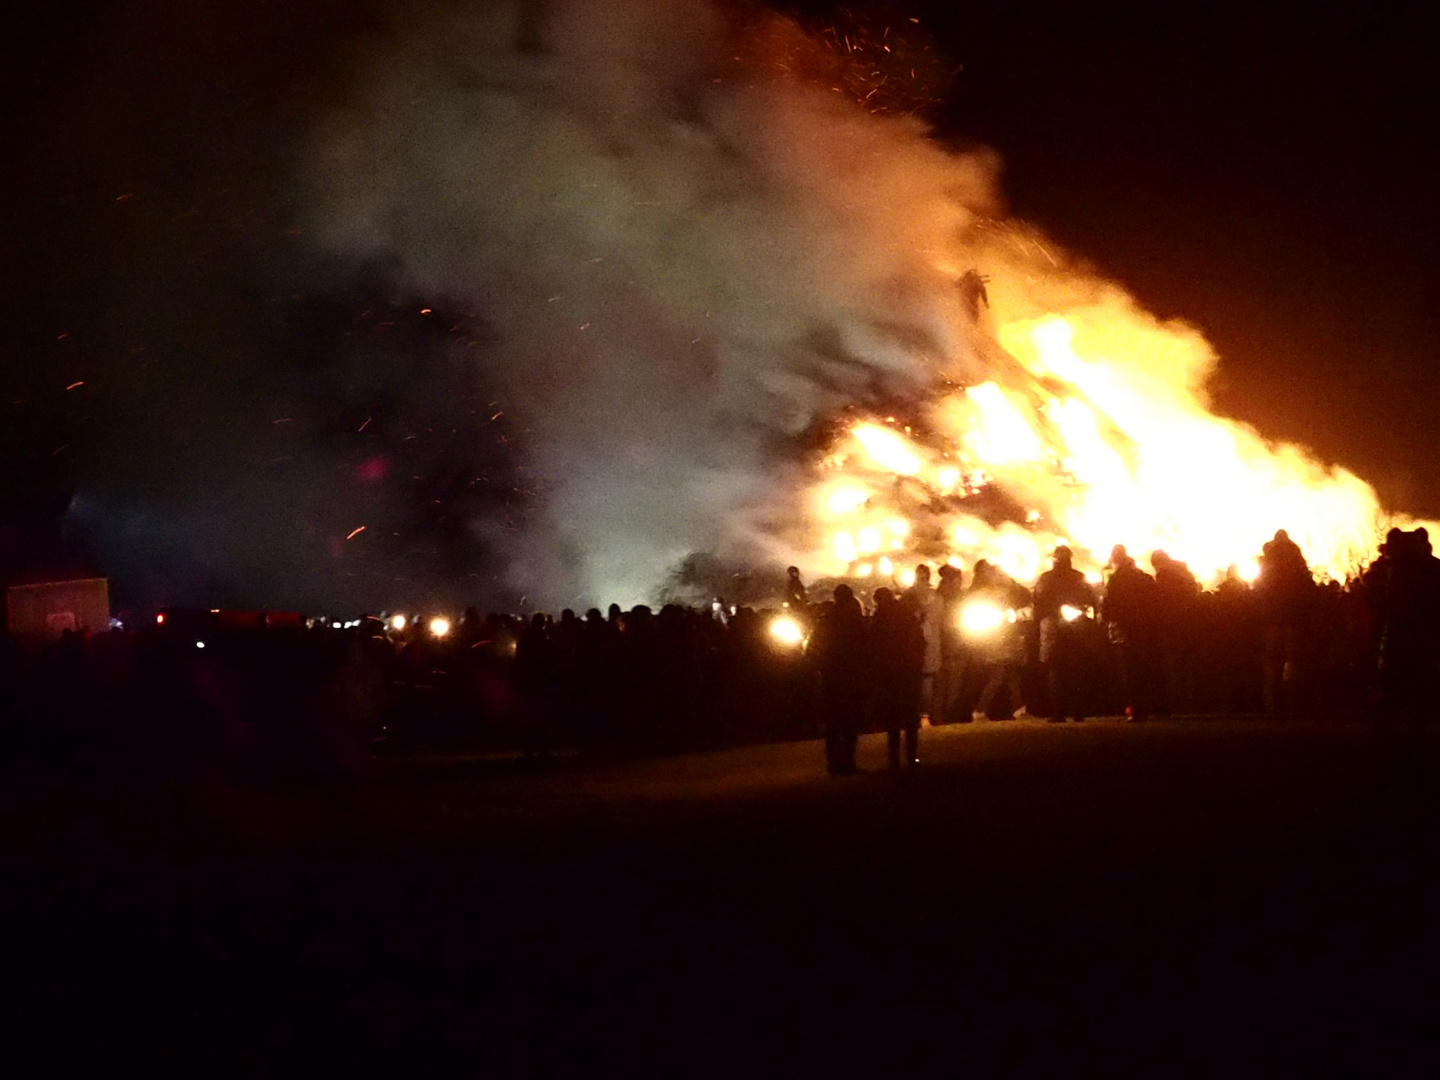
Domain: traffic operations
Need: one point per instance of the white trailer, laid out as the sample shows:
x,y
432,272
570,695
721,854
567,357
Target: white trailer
x,y
51,607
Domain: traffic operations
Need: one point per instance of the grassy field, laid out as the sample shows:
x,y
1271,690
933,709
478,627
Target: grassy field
x,y
1180,897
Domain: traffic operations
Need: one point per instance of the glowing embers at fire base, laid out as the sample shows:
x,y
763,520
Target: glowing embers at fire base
x,y
1094,431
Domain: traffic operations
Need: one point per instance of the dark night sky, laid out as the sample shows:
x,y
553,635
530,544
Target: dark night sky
x,y
1266,173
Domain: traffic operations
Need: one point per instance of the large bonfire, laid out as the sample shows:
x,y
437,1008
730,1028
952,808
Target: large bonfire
x,y
700,234
1090,428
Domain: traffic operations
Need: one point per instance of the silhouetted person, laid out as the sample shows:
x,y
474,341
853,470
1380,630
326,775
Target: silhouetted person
x,y
928,607
973,293
897,651
1283,593
1176,594
471,629
950,679
1409,609
1000,650
1128,613
535,672
794,589
838,651
1235,642
1063,599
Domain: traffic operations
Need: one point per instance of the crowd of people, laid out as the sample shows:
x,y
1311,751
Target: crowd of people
x,y
955,648
1139,645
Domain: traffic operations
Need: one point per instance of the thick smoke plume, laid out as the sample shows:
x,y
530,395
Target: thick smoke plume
x,y
691,245
695,244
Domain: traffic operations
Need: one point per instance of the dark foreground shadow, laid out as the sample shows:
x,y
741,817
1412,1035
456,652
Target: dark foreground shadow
x,y
1172,899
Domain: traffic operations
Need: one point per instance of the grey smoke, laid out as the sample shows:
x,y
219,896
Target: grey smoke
x,y
687,250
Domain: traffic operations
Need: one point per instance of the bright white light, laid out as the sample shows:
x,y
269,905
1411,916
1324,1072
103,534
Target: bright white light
x,y
397,622
199,644
787,632
907,578
1069,613
439,626
843,500
981,618
1249,570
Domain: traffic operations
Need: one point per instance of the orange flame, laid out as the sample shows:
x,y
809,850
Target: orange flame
x,y
1095,424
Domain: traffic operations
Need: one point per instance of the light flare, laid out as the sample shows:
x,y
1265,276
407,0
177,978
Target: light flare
x,y
786,631
981,618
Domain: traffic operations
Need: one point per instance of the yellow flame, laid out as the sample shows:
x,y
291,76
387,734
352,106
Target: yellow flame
x,y
845,499
999,433
887,449
1095,422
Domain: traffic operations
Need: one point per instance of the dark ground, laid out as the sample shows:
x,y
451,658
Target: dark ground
x,y
1192,896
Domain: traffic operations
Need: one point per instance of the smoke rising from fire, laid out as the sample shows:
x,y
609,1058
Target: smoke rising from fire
x,y
692,245
688,253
